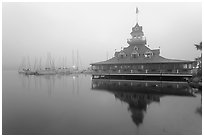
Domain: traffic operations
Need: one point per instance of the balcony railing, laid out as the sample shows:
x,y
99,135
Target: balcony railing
x,y
108,72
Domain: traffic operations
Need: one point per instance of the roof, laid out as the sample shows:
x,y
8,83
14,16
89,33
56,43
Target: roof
x,y
137,46
155,60
142,49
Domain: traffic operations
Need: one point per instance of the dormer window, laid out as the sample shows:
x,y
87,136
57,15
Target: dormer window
x,y
121,54
135,54
136,48
148,54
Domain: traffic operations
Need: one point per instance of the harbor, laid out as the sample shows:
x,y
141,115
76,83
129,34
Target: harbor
x,y
101,68
74,104
50,67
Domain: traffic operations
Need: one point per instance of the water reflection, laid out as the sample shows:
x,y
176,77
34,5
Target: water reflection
x,y
140,94
67,105
48,82
75,83
25,81
36,82
199,109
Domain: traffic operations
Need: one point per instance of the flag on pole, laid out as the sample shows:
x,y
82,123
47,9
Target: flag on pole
x,y
137,11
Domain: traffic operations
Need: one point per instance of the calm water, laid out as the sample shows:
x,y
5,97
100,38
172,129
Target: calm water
x,y
78,105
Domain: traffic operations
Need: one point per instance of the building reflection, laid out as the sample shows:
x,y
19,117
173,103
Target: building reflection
x,y
140,94
199,109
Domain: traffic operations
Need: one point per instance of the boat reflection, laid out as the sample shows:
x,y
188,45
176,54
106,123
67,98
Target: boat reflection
x,y
140,94
49,83
43,82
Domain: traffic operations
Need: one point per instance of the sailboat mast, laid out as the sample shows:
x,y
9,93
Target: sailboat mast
x,y
35,63
23,63
66,62
39,64
63,63
77,59
28,63
73,62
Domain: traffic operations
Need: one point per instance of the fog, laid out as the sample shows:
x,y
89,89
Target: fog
x,y
95,30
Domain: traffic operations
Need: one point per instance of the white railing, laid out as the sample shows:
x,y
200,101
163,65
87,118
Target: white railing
x,y
140,72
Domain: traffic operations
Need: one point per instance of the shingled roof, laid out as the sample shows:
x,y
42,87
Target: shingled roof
x,y
141,59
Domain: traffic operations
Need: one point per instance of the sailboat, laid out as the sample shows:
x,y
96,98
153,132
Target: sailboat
x,y
22,68
75,67
49,69
64,70
25,67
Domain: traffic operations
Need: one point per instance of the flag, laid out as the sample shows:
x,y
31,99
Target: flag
x,y
137,10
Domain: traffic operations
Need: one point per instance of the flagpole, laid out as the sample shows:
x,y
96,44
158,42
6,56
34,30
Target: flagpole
x,y
137,15
137,18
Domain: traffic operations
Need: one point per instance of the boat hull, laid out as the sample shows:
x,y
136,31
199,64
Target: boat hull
x,y
46,72
63,72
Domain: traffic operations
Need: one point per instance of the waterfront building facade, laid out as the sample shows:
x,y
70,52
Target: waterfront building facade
x,y
138,58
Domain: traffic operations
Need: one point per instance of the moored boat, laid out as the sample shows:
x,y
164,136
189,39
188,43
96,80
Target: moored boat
x,y
46,71
63,71
29,72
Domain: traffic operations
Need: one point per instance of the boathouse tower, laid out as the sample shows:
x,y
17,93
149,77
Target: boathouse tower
x,y
138,37
137,34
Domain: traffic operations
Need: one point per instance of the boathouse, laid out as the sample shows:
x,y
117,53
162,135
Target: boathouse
x,y
138,61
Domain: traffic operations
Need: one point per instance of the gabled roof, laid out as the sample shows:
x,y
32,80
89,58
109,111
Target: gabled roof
x,y
156,59
141,59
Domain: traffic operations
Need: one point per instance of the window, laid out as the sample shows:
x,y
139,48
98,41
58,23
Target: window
x,y
136,28
136,48
148,54
95,67
185,66
135,54
122,54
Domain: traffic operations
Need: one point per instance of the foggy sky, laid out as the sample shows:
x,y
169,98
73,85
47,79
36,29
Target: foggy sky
x,y
96,30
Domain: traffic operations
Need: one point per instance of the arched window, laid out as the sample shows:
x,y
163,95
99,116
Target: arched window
x,y
148,54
